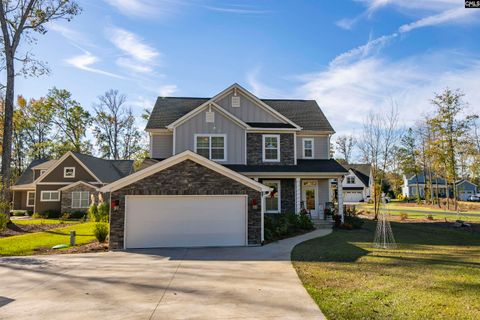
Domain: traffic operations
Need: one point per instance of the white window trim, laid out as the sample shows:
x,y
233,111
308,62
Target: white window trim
x,y
279,191
80,207
49,200
210,135
278,147
65,172
303,146
28,193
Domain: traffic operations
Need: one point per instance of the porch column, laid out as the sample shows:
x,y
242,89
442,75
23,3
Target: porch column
x,y
340,198
297,195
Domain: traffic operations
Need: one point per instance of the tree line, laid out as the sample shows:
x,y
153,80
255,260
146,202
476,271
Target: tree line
x,y
47,127
442,145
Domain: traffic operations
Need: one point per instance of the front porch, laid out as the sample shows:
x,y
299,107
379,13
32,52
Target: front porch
x,y
312,194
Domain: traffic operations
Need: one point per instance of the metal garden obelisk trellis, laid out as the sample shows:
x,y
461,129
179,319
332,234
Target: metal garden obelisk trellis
x,y
384,238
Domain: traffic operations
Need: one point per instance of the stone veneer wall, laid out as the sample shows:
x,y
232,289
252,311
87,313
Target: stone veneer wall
x,y
255,149
66,198
185,178
287,194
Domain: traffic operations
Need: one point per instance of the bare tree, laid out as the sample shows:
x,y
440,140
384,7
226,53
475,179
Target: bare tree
x,y
379,137
18,19
344,146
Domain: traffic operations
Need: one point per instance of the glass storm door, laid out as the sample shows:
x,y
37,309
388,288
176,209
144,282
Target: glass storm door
x,y
310,200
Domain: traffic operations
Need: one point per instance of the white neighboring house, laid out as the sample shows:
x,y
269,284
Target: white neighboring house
x,y
357,183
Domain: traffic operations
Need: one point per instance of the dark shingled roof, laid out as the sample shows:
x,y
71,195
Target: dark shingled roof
x,y
27,175
305,113
321,166
106,170
361,170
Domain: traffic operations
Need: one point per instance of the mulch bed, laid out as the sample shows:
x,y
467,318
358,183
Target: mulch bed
x,y
89,247
437,222
13,229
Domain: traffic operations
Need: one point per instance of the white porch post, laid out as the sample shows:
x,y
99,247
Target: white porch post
x,y
297,195
340,198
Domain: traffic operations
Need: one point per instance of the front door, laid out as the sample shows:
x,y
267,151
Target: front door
x,y
310,198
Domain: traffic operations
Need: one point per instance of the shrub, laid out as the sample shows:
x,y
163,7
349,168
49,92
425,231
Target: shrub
x,y
347,226
64,217
3,221
93,213
38,215
30,213
354,221
103,211
19,213
77,215
283,225
403,216
52,214
430,217
338,220
101,231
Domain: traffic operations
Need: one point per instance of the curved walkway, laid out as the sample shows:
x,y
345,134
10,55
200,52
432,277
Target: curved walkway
x,y
202,283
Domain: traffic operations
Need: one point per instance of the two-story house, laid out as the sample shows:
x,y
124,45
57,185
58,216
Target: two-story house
x,y
218,165
65,184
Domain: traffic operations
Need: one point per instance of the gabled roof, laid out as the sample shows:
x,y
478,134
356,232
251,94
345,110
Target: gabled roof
x,y
462,181
304,113
27,175
361,170
44,165
412,179
68,186
186,155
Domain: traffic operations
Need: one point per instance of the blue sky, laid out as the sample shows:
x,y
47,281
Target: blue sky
x,y
352,56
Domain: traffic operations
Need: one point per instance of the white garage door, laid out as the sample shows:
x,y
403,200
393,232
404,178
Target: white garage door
x,y
185,221
353,196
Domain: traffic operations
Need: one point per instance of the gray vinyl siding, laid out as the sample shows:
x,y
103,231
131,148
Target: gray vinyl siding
x,y
323,191
162,146
320,147
248,110
185,133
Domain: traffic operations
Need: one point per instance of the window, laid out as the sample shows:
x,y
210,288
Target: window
x,y
211,146
350,180
308,148
272,201
80,199
69,172
30,198
271,148
49,196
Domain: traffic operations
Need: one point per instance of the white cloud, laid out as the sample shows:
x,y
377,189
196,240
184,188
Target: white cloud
x,y
144,8
167,90
348,92
237,9
84,62
260,89
461,15
138,56
132,45
74,36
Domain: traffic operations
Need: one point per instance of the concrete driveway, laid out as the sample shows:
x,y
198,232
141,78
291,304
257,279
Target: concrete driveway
x,y
207,283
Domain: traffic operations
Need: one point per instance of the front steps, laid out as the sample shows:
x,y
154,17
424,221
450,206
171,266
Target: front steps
x,y
323,224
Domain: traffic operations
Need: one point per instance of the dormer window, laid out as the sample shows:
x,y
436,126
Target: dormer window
x,y
69,172
308,148
271,147
350,180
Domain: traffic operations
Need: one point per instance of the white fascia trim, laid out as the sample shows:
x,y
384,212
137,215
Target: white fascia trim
x,y
20,187
159,131
279,175
203,106
278,147
59,161
49,191
76,184
186,155
314,133
269,130
251,96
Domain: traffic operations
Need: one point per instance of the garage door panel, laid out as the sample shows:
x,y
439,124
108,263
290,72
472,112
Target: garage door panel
x,y
353,196
185,221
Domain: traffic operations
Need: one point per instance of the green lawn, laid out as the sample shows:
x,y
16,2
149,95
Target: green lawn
x,y
25,244
44,221
399,206
433,274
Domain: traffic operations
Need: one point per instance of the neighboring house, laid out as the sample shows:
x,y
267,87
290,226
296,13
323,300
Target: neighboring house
x,y
66,184
218,165
466,189
409,188
356,184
